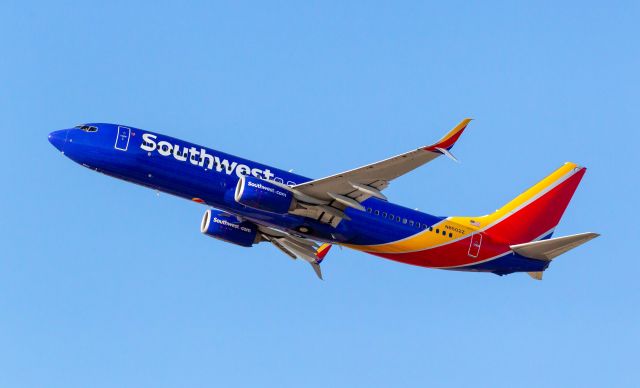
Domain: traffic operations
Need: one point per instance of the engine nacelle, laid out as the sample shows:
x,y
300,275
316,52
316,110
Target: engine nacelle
x,y
227,228
263,195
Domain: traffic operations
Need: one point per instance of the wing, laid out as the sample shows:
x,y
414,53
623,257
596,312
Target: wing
x,y
377,175
296,247
325,199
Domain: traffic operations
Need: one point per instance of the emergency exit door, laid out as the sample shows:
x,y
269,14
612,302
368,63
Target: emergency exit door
x,y
474,246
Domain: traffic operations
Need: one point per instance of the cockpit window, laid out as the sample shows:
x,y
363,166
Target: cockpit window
x,y
87,128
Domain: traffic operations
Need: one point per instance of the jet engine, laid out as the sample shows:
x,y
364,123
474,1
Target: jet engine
x,y
264,195
227,228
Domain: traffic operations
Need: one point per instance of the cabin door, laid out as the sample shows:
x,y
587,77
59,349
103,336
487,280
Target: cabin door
x,y
122,138
474,246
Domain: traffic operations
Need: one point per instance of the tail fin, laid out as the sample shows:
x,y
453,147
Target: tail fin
x,y
535,213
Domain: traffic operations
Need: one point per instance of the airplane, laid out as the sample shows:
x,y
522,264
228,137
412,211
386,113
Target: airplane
x,y
251,203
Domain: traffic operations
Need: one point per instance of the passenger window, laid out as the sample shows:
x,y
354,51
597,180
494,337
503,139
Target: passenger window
x,y
411,223
397,218
444,233
369,210
418,225
377,212
391,216
384,214
431,229
437,230
450,235
404,221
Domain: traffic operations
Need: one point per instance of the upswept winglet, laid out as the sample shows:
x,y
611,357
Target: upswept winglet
x,y
322,252
296,247
450,138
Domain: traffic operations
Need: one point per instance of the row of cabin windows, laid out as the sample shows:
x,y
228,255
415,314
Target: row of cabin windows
x,y
406,221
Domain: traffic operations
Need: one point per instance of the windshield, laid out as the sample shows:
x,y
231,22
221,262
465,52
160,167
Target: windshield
x,y
87,128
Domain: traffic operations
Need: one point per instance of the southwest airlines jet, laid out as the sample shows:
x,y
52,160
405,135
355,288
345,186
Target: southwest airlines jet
x,y
251,203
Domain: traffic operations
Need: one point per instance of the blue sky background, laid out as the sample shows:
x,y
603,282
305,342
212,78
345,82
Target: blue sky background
x,y
105,284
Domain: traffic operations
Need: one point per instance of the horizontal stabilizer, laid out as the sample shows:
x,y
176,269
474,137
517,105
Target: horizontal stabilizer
x,y
547,250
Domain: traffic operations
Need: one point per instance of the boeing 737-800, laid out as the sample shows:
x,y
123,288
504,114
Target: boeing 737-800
x,y
251,203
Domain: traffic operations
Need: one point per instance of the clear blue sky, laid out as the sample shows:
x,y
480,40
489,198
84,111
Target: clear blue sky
x,y
104,284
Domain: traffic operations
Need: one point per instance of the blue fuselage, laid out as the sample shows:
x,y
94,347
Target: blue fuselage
x,y
209,176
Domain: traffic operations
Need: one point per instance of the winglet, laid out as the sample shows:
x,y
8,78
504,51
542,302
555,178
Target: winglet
x,y
322,252
450,138
317,270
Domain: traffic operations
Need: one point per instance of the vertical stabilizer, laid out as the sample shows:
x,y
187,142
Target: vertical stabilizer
x,y
535,213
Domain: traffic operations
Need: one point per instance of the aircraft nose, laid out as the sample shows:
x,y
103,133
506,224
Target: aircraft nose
x,y
58,138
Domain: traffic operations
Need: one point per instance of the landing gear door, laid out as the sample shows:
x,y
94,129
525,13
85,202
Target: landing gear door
x,y
474,246
122,139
